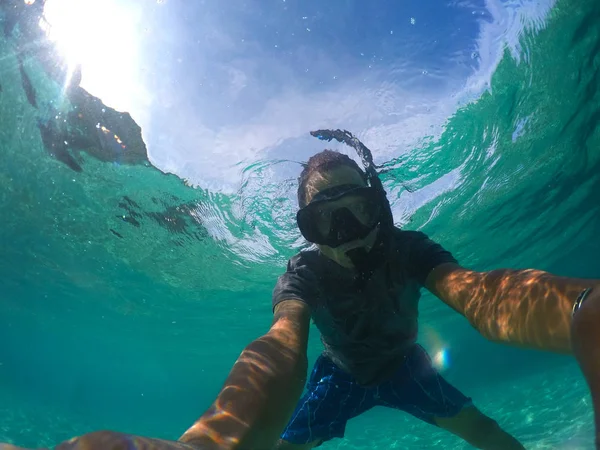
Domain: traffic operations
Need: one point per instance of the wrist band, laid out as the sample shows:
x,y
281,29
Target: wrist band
x,y
580,299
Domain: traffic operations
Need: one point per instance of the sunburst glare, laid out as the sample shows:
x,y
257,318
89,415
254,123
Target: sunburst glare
x,y
100,36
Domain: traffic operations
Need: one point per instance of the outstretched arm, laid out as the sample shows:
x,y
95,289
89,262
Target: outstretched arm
x,y
253,406
262,389
528,308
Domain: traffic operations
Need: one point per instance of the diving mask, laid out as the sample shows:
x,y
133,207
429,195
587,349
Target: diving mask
x,y
340,214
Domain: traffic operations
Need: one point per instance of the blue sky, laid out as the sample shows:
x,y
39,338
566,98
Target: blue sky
x,y
219,85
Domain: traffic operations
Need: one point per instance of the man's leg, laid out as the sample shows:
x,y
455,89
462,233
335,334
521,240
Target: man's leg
x,y
420,390
332,398
478,430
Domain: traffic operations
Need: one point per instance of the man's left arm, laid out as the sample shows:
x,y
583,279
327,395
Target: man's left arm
x,y
528,308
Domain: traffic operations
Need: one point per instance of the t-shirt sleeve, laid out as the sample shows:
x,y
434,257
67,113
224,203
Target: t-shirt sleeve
x,y
424,255
297,283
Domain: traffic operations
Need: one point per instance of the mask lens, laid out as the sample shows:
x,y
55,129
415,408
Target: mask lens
x,y
365,208
322,220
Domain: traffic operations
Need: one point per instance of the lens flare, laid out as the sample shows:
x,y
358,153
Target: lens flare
x,y
440,359
437,348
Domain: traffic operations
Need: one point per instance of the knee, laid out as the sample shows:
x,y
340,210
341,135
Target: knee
x,y
484,431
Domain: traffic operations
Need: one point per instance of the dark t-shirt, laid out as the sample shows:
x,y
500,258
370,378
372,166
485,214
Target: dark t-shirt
x,y
365,332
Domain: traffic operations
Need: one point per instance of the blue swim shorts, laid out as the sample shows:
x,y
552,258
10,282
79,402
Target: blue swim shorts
x,y
333,397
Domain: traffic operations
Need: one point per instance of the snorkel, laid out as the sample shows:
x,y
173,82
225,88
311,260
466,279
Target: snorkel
x,y
365,262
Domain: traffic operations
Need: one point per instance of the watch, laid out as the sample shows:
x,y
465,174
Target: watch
x,y
580,299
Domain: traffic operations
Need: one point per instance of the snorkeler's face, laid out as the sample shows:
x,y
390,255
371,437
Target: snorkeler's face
x,y
324,182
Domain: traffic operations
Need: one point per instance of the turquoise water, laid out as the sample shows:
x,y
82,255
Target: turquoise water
x,y
135,329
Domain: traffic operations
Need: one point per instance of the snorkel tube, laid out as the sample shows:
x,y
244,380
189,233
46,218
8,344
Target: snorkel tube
x,y
365,262
345,137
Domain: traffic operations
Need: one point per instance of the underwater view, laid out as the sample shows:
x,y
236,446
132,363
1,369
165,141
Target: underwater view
x,y
151,155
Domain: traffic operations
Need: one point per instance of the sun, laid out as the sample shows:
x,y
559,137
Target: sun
x,y
101,36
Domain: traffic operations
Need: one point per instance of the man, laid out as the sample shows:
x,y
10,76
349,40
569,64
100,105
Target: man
x,y
521,307
361,286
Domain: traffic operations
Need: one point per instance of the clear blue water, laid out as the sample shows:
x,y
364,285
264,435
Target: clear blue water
x,y
127,293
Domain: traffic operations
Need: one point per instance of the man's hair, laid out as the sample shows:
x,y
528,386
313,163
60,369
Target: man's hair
x,y
319,164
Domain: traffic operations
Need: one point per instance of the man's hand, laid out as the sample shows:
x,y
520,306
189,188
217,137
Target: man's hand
x,y
12,447
585,338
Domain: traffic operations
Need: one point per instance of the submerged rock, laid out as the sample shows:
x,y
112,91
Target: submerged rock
x,y
89,126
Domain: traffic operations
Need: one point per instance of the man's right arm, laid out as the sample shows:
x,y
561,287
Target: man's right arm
x,y
262,389
255,404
